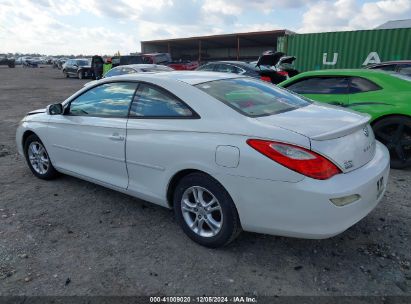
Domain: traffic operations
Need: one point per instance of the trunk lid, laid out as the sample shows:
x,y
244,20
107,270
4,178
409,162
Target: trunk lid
x,y
286,60
343,136
269,58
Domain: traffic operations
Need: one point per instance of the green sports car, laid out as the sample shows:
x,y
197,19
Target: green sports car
x,y
386,97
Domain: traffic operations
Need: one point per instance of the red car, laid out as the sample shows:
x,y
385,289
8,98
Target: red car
x,y
184,65
165,58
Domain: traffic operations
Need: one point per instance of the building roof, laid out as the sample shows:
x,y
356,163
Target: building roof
x,y
393,24
223,40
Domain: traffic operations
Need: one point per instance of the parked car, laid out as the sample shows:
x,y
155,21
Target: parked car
x,y
4,60
399,66
226,152
157,58
262,72
126,60
385,96
165,59
137,68
235,67
183,65
278,62
59,62
19,60
80,68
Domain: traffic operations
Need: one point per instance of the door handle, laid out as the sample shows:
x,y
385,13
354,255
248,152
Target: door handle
x,y
116,137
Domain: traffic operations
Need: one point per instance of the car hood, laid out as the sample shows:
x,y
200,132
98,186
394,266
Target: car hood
x,y
319,121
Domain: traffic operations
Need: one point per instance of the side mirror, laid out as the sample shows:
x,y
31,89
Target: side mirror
x,y
55,109
75,66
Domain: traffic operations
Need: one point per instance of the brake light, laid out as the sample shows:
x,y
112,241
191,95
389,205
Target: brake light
x,y
265,78
282,73
296,158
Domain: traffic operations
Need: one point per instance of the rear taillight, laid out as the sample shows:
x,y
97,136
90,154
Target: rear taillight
x,y
265,78
282,73
296,158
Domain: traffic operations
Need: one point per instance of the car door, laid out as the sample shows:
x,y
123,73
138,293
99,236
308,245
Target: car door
x,y
71,67
155,117
332,89
89,139
365,95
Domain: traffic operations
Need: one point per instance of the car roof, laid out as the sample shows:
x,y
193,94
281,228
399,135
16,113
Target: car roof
x,y
189,77
240,63
343,72
389,62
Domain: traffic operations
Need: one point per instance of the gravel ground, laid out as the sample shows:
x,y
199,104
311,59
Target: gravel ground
x,y
71,237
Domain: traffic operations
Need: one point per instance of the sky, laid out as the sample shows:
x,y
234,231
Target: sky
x,y
90,27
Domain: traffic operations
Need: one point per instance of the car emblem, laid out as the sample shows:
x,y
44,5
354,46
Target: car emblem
x,y
348,164
366,132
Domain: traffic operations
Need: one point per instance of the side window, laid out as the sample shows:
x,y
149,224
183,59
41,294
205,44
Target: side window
x,y
320,85
386,67
358,85
404,69
206,67
107,100
151,101
226,68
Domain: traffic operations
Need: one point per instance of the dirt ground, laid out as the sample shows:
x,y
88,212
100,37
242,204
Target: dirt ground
x,y
71,237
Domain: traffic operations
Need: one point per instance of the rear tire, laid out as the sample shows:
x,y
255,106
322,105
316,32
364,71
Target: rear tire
x,y
38,159
395,133
205,211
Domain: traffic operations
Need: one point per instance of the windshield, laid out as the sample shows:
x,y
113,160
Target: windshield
x,y
82,62
252,97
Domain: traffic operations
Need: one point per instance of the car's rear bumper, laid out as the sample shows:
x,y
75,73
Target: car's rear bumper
x,y
304,209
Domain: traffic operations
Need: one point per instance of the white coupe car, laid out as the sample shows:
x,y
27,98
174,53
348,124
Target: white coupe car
x,y
227,152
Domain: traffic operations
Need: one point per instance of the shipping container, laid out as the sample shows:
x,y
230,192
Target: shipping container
x,y
350,49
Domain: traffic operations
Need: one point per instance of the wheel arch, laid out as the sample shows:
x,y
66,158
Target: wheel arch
x,y
172,184
175,179
389,116
26,134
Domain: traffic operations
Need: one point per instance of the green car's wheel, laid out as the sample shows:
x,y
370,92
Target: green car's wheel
x,y
395,133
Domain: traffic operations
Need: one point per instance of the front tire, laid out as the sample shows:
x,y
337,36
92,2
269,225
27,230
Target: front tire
x,y
80,75
205,211
38,159
395,133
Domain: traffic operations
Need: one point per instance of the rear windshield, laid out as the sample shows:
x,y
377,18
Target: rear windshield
x,y
253,97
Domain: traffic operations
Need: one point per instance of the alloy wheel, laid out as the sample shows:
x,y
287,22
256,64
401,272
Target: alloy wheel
x,y
201,211
38,157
